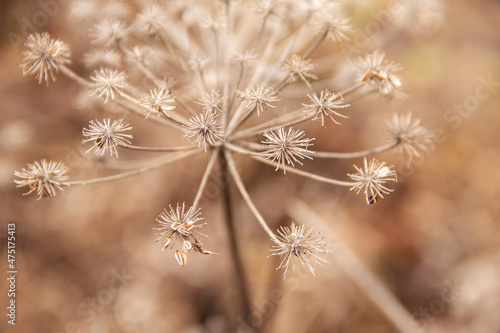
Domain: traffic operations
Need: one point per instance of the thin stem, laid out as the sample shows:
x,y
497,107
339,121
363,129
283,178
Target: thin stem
x,y
303,173
364,153
208,171
171,159
316,44
236,257
361,275
241,150
241,187
75,77
158,149
351,89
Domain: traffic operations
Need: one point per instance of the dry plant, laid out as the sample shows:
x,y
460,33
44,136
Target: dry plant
x,y
217,73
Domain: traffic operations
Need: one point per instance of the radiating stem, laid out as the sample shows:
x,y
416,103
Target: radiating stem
x,y
158,149
316,44
208,171
364,153
170,159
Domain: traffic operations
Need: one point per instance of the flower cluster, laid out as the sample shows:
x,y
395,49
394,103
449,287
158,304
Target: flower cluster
x,y
221,74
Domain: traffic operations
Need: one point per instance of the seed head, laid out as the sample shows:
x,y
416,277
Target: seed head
x,y
334,25
371,180
299,69
212,102
377,72
44,56
107,83
109,32
157,101
419,15
414,140
259,98
97,58
107,135
43,178
151,21
207,129
324,105
177,229
286,147
301,243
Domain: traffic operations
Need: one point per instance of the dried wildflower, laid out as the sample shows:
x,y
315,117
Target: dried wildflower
x,y
259,98
151,21
109,32
43,178
107,135
97,58
286,147
299,69
207,129
325,105
269,8
107,83
414,140
212,102
138,54
177,229
335,26
44,56
157,101
297,241
374,70
371,180
419,15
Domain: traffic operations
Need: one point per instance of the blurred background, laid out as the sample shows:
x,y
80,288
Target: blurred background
x,y
87,261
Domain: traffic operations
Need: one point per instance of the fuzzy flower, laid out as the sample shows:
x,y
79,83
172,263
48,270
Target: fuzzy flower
x,y
157,101
334,26
44,56
414,140
207,129
377,72
43,178
107,83
324,106
212,102
298,68
301,243
109,32
286,147
107,135
259,98
177,229
371,180
151,21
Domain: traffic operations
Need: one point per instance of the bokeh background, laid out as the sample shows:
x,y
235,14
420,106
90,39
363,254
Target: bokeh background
x,y
86,259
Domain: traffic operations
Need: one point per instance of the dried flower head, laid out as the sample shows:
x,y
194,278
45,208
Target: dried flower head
x,y
109,32
43,178
259,98
286,147
151,21
419,15
158,101
377,72
177,229
212,102
325,105
301,243
414,140
207,129
107,83
333,25
107,135
44,56
298,68
371,180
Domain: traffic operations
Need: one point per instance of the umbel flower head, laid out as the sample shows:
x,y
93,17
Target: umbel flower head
x,y
44,56
43,177
372,178
178,229
301,243
190,67
107,135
